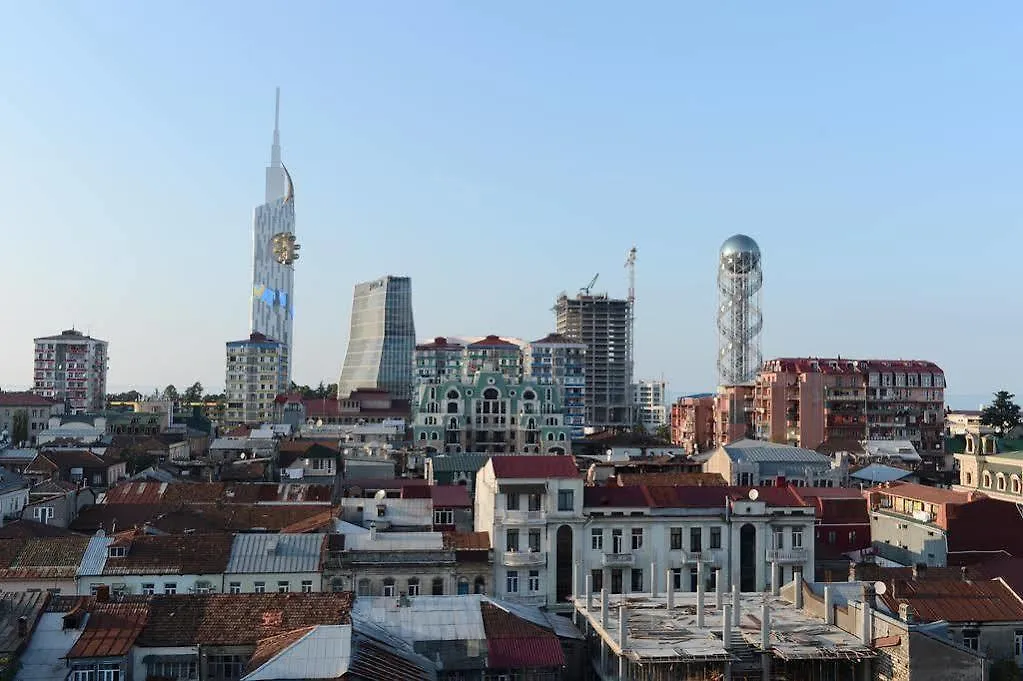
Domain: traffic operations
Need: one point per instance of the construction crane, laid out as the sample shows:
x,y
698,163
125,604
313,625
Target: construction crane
x,y
585,290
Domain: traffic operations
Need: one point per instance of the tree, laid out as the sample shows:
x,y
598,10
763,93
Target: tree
x,y
1002,414
170,393
19,427
193,394
663,433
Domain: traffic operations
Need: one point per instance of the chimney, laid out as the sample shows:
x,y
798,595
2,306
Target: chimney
x,y
603,608
726,627
906,613
589,592
669,585
699,594
22,627
653,579
623,628
718,589
103,593
765,627
797,583
829,610
736,605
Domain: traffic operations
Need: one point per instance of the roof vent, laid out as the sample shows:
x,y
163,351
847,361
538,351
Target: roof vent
x,y
271,546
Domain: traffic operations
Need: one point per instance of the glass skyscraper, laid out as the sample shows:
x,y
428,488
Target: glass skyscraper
x,y
382,339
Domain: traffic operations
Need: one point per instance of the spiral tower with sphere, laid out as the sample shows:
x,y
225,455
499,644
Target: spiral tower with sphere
x,y
739,317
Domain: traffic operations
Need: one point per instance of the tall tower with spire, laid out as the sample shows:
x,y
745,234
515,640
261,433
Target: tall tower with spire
x,y
274,251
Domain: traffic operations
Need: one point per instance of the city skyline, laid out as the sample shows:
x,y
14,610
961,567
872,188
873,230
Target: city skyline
x,y
858,175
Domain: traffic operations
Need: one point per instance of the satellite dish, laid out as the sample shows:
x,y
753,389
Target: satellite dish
x,y
880,588
381,494
754,495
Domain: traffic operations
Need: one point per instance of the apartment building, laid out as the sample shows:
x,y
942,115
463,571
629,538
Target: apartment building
x,y
754,462
491,413
437,361
23,415
701,422
558,360
602,325
257,372
805,401
71,368
651,403
532,508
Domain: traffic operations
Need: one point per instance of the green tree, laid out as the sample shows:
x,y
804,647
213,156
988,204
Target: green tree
x,y
1003,414
663,433
19,427
170,393
193,393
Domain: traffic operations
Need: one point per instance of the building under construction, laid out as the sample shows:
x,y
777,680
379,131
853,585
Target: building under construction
x,y
604,325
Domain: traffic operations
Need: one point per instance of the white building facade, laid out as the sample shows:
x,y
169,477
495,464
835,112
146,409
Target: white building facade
x,y
651,403
71,368
274,253
256,373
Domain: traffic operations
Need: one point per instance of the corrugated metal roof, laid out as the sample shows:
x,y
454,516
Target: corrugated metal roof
x,y
952,601
756,451
425,618
452,463
877,473
111,630
95,557
529,652
534,467
252,553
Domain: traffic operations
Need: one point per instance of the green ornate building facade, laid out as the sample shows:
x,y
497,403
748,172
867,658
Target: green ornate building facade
x,y
490,413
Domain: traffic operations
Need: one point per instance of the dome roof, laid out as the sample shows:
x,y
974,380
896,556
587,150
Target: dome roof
x,y
740,244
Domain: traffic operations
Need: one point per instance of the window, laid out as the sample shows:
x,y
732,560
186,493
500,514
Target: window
x,y
533,501
444,516
797,537
637,579
117,551
616,581
534,581
987,479
852,537
831,537
234,587
597,579
534,541
597,539
696,539
84,673
676,579
511,502
173,670
389,589
42,513
971,639
616,540
283,587
969,478
511,582
203,587
170,588
566,500
778,542
259,588
148,588
1001,482
715,537
109,672
676,539
437,586
226,667
413,586
1015,484
479,586
307,586
511,540
637,538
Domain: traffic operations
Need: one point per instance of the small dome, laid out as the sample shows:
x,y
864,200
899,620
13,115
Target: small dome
x,y
740,253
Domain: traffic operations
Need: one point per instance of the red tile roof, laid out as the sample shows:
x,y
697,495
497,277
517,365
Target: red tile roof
x,y
467,541
931,495
952,601
668,478
30,528
239,619
323,520
199,518
450,496
493,341
509,466
111,630
848,366
440,343
186,554
269,648
556,339
514,643
982,530
24,399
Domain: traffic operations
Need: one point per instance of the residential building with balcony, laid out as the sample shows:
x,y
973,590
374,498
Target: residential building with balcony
x,y
31,409
257,372
692,423
636,534
531,506
71,368
491,413
754,462
805,401
959,422
842,528
437,361
651,404
492,353
558,360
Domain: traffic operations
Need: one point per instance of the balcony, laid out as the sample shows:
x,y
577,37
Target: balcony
x,y
523,558
522,517
711,557
786,556
618,560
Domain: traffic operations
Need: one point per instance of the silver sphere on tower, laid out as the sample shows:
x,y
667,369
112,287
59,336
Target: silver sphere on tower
x,y
739,318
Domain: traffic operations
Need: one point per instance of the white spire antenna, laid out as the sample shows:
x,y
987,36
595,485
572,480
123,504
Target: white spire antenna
x,y
276,184
275,150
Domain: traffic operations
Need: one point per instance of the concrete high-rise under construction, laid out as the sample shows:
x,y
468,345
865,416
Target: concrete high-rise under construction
x,y
604,325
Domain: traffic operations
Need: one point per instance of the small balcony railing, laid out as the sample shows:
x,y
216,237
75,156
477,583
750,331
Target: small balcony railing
x,y
618,560
786,555
523,558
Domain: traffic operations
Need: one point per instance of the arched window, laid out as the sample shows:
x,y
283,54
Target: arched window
x,y
453,424
437,587
413,586
452,394
479,586
463,586
491,394
987,480
531,424
365,587
1015,484
550,437
561,437
529,395
969,478
389,587
434,436
1000,481
422,435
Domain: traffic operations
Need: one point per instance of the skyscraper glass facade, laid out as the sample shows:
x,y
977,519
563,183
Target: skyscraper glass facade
x,y
382,338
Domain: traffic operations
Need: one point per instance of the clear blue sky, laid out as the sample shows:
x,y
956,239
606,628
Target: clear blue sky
x,y
499,153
